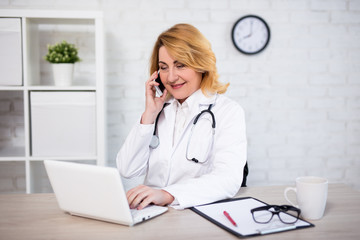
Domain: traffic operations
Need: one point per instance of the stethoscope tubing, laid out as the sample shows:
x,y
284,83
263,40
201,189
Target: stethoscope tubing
x,y
155,139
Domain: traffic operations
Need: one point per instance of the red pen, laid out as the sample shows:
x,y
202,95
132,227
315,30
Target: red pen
x,y
230,219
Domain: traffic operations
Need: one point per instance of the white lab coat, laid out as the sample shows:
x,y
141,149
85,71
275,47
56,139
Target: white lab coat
x,y
167,167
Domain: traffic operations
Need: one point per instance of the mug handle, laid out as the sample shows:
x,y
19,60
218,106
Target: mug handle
x,y
287,199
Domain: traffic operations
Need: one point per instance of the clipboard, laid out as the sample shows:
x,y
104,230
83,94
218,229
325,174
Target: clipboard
x,y
239,210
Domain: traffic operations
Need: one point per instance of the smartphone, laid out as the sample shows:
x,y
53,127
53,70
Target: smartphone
x,y
159,89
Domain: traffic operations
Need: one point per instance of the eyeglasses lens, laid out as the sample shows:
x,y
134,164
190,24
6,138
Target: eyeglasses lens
x,y
289,216
263,216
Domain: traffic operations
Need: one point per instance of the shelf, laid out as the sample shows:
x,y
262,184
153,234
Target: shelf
x,y
80,32
50,14
56,88
48,88
77,158
14,158
26,124
35,159
11,88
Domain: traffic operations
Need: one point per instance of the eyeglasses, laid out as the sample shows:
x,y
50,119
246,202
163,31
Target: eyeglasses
x,y
287,214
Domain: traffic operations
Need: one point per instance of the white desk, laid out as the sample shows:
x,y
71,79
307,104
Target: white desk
x,y
37,216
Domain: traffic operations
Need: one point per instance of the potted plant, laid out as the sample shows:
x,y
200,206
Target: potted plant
x,y
62,56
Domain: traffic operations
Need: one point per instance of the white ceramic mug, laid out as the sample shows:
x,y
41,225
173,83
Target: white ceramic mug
x,y
311,195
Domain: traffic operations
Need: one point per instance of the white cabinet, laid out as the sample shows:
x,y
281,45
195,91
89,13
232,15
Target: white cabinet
x,y
10,52
39,120
63,124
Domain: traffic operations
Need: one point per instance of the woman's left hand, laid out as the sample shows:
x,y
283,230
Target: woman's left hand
x,y
141,196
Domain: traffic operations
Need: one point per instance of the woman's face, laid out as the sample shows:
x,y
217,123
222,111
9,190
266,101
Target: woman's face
x,y
180,80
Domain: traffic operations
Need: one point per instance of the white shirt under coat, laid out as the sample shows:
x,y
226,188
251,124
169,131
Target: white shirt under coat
x,y
166,167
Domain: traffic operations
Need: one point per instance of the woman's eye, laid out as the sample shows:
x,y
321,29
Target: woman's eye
x,y
180,65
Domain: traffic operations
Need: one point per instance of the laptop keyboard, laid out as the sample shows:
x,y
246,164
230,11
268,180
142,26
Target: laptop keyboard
x,y
143,212
146,213
135,212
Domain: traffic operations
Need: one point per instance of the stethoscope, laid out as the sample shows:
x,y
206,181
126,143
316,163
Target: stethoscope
x,y
155,139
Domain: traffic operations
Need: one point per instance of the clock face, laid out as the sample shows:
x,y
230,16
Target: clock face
x,y
250,34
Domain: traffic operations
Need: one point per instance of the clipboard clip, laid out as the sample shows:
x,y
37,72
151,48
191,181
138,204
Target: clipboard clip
x,y
268,230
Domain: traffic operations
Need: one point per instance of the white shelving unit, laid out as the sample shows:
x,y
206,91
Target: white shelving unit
x,y
39,28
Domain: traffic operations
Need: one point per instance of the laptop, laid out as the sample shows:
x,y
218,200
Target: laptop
x,y
94,192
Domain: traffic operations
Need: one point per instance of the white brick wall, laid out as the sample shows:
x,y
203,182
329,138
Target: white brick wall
x,y
301,95
11,120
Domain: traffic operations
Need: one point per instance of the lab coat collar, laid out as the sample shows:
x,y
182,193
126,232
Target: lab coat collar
x,y
197,97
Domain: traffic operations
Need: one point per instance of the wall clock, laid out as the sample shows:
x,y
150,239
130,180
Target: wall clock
x,y
250,34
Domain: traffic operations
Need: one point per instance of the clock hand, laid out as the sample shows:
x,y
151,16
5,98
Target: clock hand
x,y
251,31
247,36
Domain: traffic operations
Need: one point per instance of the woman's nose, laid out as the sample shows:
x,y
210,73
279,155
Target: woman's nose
x,y
172,76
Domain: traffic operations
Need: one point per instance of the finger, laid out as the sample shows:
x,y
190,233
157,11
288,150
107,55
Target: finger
x,y
135,203
137,195
163,97
139,199
132,193
153,76
150,85
131,199
153,83
145,202
129,192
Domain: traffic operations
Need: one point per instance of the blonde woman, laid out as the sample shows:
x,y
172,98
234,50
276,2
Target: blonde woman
x,y
200,148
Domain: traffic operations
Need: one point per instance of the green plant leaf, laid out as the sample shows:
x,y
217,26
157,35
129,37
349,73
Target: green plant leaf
x,y
62,52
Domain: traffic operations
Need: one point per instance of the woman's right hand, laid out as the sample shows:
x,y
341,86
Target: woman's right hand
x,y
153,104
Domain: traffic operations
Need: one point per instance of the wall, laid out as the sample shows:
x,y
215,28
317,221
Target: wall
x,y
301,95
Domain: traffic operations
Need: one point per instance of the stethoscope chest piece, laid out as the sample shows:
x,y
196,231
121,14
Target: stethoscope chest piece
x,y
154,141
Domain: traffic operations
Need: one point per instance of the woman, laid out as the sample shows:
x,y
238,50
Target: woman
x,y
191,165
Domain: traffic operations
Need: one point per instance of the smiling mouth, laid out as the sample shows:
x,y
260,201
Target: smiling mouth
x,y
177,86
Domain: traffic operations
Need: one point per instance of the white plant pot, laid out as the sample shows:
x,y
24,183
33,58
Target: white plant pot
x,y
63,73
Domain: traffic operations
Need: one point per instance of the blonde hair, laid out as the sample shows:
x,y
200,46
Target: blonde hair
x,y
187,44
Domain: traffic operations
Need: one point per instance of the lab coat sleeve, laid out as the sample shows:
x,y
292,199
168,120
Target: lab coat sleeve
x,y
229,158
132,159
